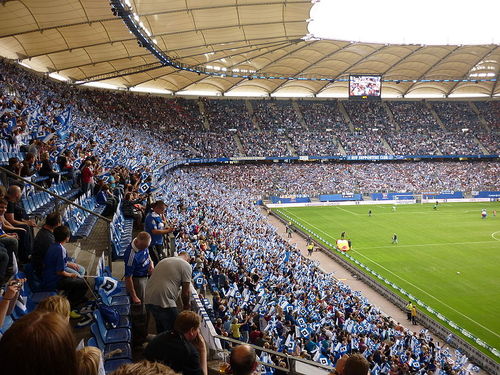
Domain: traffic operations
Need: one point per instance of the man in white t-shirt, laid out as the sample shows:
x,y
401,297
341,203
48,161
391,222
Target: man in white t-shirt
x,y
170,276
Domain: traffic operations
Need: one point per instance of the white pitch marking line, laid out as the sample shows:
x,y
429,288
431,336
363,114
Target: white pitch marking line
x,y
399,277
427,244
430,295
343,209
494,237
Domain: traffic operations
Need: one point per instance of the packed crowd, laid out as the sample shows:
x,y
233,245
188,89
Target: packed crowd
x,y
363,143
228,114
457,116
368,115
264,143
319,142
413,116
212,145
276,114
322,115
267,294
323,178
418,144
491,113
491,141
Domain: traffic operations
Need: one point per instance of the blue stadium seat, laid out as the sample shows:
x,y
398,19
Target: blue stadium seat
x,y
109,336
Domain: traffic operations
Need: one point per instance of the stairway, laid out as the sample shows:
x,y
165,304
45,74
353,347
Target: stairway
x,y
337,143
345,115
391,116
481,146
249,106
201,106
290,148
435,115
237,140
480,117
387,146
296,107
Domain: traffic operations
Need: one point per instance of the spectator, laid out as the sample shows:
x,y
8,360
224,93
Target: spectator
x,y
183,348
144,368
9,241
29,168
156,226
133,209
47,170
138,267
43,239
356,364
14,166
39,343
162,290
17,217
64,162
56,272
105,197
87,177
11,292
90,361
57,304
243,360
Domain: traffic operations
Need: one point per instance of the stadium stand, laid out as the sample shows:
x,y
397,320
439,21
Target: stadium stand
x,y
263,291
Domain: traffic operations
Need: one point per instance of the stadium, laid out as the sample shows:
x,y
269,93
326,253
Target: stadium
x,y
249,187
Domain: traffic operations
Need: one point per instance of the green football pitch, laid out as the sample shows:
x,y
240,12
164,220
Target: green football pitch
x,y
448,258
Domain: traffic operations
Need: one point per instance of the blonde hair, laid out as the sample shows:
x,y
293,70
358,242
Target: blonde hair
x,y
57,304
89,358
144,368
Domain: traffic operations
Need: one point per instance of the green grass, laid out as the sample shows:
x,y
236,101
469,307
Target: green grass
x,y
433,247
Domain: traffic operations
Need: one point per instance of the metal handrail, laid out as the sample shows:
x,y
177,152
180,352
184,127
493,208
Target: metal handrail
x,y
288,358
3,169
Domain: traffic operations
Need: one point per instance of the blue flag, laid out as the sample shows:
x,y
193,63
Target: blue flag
x,y
144,188
11,124
107,287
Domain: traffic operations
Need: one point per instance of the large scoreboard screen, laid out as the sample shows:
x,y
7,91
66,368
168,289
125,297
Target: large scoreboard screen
x,y
365,86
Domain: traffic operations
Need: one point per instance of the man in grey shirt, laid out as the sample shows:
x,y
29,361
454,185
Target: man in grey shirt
x,y
162,290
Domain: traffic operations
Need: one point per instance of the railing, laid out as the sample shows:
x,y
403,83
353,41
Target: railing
x,y
96,242
474,355
294,365
218,351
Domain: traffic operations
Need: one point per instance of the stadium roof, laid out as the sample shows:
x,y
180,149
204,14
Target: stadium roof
x,y
83,40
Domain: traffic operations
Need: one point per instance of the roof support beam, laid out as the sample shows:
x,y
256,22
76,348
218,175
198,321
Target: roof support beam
x,y
430,68
312,64
122,73
42,29
490,51
494,85
350,67
162,34
272,44
118,73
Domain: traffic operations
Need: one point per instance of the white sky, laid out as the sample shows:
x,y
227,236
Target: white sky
x,y
429,22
